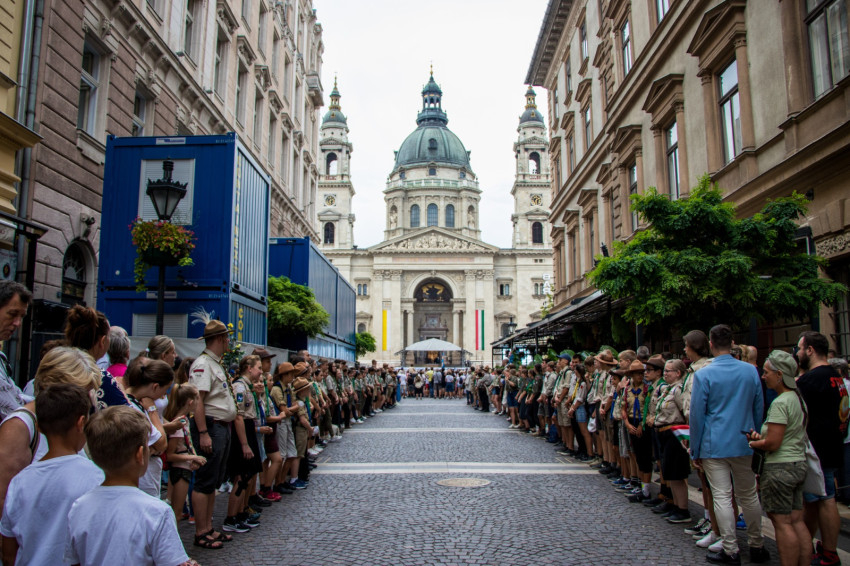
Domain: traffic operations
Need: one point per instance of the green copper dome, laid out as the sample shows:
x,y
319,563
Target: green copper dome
x,y
531,113
334,113
432,141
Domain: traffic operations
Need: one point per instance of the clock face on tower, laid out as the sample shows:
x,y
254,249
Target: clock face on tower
x,y
330,200
537,200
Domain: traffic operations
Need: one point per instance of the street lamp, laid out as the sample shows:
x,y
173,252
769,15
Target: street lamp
x,y
511,326
165,194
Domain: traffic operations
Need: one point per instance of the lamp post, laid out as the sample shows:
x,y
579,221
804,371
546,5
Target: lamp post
x,y
165,194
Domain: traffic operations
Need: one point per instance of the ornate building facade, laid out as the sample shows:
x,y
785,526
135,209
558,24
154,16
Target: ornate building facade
x,y
433,276
658,93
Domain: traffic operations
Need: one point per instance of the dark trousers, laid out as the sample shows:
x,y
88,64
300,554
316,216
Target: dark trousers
x,y
484,400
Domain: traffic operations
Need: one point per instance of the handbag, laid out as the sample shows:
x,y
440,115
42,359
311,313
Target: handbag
x,y
757,463
591,425
815,483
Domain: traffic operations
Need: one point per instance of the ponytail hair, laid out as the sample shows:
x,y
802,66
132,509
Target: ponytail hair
x,y
177,399
84,327
144,371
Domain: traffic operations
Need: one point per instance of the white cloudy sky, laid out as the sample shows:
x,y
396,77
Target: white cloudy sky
x,y
381,51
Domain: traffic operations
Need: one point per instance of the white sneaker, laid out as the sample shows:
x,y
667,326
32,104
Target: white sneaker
x,y
707,540
336,438
716,547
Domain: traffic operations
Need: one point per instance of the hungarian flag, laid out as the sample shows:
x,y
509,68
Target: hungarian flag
x,y
683,434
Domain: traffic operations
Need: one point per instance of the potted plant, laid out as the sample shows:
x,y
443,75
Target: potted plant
x,y
159,243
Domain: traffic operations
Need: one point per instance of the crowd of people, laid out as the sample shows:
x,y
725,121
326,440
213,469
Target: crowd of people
x,y
100,435
766,438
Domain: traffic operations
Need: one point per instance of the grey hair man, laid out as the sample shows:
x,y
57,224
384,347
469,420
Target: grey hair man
x,y
14,302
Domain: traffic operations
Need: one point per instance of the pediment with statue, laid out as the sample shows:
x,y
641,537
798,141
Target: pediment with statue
x,y
435,240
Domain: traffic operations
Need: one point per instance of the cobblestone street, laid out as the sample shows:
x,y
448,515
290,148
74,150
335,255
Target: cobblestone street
x,y
375,500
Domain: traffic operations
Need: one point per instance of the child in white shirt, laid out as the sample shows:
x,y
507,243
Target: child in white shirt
x,y
116,523
35,516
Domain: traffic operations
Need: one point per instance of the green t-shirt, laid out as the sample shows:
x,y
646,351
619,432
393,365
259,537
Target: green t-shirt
x,y
786,410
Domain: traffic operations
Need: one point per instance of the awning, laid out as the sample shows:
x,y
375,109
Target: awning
x,y
431,345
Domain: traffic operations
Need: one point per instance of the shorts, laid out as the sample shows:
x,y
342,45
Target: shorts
x,y
656,447
564,414
625,441
581,414
541,410
270,440
675,462
494,391
237,464
450,387
176,474
608,423
781,487
829,485
302,435
286,439
512,399
614,434
642,449
212,474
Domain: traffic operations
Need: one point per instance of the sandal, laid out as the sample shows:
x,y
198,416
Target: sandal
x,y
222,537
204,541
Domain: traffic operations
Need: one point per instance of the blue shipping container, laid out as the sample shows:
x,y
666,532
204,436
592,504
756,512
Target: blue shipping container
x,y
303,263
226,205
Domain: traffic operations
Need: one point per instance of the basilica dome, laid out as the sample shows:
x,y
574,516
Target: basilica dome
x,y
432,141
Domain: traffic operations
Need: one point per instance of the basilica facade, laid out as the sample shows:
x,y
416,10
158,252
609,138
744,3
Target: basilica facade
x,y
433,276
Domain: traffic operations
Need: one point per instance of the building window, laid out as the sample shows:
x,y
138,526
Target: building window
x,y
633,190
402,175
462,174
362,289
241,86
828,42
189,31
139,108
555,104
450,216
432,215
87,108
588,130
287,72
258,118
571,153
504,289
262,30
537,233
534,163
275,56
573,257
661,8
272,137
220,66
331,164
284,156
730,111
591,235
74,276
432,171
582,34
568,74
246,12
330,230
671,137
538,288
626,39
361,328
414,216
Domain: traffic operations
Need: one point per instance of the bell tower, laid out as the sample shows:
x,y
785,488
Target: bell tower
x,y
531,189
335,191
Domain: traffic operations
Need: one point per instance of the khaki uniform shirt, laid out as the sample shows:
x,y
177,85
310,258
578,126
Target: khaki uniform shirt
x,y
688,384
243,391
207,375
669,407
549,383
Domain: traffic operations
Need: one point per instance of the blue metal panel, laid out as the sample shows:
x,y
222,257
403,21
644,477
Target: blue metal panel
x,y
250,227
249,320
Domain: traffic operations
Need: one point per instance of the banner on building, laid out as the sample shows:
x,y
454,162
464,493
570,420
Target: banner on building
x,y
479,329
385,333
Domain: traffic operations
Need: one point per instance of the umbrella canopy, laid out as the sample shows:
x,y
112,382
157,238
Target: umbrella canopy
x,y
431,345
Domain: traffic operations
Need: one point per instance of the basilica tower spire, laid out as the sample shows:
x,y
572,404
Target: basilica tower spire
x,y
531,189
335,191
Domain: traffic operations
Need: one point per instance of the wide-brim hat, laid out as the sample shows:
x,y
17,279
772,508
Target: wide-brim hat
x,y
636,367
285,369
301,368
605,357
300,384
263,353
656,362
214,328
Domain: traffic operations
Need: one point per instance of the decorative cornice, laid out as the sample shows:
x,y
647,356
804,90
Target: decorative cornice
x,y
834,245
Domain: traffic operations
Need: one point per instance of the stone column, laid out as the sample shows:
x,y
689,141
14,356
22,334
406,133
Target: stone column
x,y
411,333
748,133
662,176
456,327
684,181
397,338
712,134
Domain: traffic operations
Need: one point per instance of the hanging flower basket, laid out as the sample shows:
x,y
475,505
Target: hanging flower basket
x,y
159,243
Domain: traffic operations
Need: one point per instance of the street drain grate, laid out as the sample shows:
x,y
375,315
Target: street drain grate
x,y
463,482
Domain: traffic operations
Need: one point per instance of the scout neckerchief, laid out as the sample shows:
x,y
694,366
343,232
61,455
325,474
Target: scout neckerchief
x,y
664,395
636,413
657,387
187,436
309,411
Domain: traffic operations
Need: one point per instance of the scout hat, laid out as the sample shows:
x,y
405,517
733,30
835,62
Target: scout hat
x,y
285,369
656,362
301,368
606,358
784,362
214,328
636,367
300,384
263,353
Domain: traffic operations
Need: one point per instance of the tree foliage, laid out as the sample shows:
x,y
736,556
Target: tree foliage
x,y
293,309
364,343
697,264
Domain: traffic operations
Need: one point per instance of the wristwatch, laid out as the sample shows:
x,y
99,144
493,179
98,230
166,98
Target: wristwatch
x,y
151,409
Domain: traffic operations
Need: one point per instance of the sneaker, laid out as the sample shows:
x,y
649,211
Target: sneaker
x,y
191,519
759,554
696,527
653,502
284,488
252,514
663,508
716,546
605,470
298,484
670,513
741,525
706,528
272,496
679,516
637,497
615,474
620,481
722,558
245,519
313,452
231,524
826,558
225,487
707,540
258,501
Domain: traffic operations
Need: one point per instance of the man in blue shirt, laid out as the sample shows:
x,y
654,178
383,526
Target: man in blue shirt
x,y
727,403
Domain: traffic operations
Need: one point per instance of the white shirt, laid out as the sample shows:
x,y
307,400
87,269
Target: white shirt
x,y
122,525
37,505
151,482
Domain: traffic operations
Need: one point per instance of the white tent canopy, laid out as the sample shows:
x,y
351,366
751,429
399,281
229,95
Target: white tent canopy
x,y
431,345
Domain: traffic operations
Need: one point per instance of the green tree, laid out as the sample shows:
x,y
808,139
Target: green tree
x,y
364,343
293,309
697,264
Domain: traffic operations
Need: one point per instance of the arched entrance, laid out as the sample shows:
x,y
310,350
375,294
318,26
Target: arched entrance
x,y
432,316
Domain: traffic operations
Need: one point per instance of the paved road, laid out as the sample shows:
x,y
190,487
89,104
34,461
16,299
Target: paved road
x,y
375,500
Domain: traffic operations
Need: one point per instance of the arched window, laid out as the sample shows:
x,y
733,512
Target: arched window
x,y
332,164
361,328
432,144
450,216
330,230
414,216
432,214
74,276
537,233
534,163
